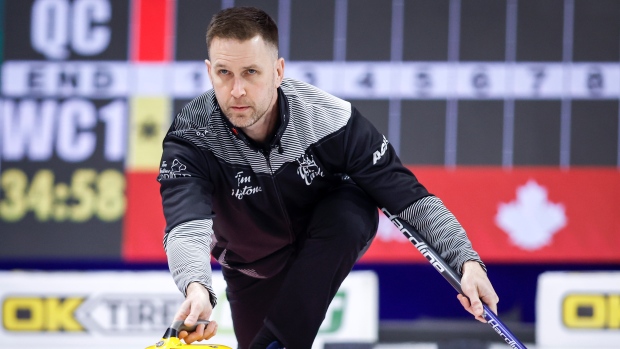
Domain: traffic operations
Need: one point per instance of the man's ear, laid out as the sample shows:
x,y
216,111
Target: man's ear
x,y
208,64
209,67
279,71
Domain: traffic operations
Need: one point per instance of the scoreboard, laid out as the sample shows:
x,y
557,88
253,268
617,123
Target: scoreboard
x,y
64,129
89,88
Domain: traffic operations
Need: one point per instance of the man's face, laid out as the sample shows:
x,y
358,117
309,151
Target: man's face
x,y
245,76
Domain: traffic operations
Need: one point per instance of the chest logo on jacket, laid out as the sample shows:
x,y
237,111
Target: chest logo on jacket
x,y
243,186
177,169
308,169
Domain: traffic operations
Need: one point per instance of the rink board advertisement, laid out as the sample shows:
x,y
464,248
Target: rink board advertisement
x,y
578,310
89,88
129,310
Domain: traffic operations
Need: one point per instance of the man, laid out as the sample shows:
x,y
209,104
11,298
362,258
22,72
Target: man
x,y
280,182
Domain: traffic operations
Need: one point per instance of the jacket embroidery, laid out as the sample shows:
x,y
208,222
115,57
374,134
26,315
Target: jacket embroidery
x,y
308,169
176,170
240,192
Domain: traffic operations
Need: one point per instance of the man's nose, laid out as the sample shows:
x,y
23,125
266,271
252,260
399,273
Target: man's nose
x,y
238,89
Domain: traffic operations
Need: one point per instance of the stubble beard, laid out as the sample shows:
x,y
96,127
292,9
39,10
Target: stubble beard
x,y
242,121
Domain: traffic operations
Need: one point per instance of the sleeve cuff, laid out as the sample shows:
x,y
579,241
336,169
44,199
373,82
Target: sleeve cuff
x,y
209,288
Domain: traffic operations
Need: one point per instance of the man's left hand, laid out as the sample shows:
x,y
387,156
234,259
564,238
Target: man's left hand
x,y
477,289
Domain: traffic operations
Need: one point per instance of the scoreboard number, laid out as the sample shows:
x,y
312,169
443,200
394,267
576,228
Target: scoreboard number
x,y
423,80
480,81
595,80
89,194
538,75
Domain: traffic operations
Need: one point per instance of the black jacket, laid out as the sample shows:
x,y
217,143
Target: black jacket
x,y
260,198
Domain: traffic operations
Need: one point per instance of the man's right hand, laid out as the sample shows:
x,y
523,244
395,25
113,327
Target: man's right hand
x,y
197,305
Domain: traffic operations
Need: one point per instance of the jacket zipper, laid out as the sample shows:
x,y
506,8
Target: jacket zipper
x,y
267,154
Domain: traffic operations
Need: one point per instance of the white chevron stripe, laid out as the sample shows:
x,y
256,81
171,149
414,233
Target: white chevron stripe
x,y
430,217
188,246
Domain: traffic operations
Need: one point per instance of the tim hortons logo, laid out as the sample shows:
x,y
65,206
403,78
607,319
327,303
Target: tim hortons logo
x,y
243,188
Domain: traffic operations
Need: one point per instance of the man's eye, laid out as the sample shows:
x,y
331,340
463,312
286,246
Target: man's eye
x,y
223,71
252,71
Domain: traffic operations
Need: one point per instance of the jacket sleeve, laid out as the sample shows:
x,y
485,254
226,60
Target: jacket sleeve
x,y
373,164
437,224
186,198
